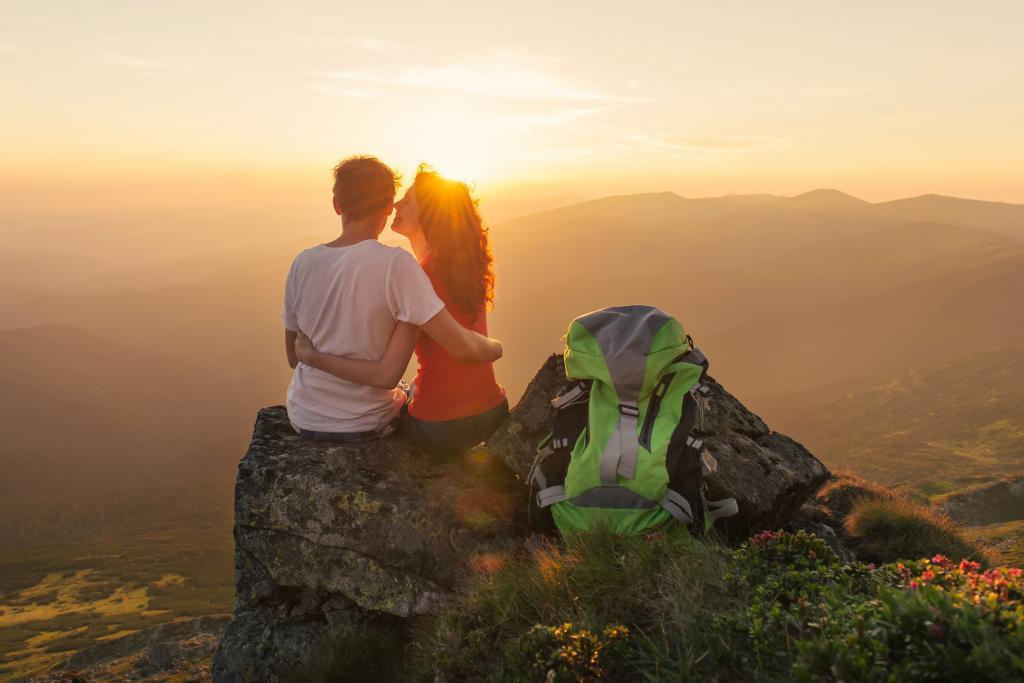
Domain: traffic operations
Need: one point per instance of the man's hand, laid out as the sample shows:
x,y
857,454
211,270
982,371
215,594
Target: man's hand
x,y
289,348
304,349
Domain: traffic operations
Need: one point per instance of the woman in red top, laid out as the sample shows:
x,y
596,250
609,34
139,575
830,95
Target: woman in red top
x,y
454,404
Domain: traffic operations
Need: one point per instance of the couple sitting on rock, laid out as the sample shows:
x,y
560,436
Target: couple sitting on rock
x,y
355,310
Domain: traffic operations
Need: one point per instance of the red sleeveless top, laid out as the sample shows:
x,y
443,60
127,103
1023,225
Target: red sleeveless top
x,y
444,388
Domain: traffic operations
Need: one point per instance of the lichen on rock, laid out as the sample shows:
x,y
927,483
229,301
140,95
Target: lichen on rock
x,y
329,536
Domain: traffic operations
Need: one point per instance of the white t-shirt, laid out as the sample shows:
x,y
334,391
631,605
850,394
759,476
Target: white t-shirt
x,y
347,300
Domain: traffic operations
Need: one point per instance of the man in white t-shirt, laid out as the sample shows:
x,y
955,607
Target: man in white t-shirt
x,y
347,296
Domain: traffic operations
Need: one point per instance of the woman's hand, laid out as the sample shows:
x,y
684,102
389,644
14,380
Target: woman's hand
x,y
495,348
304,349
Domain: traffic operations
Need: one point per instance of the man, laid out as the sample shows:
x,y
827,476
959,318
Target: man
x,y
347,296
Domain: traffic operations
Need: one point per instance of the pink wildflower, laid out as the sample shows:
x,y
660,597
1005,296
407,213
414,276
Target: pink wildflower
x,y
969,566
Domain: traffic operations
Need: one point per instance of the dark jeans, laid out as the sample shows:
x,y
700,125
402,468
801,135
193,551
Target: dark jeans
x,y
346,437
452,437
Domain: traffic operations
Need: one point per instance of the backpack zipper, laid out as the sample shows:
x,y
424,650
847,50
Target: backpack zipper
x,y
653,408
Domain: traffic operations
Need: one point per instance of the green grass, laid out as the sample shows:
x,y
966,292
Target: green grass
x,y
371,653
1004,542
841,494
658,586
936,428
667,607
55,600
894,528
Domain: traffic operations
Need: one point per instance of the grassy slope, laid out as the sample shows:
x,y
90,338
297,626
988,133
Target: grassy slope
x,y
937,428
55,600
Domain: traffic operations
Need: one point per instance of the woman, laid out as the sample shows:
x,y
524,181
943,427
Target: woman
x,y
454,405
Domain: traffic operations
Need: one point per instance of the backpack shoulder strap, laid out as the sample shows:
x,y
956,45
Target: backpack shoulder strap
x,y
547,476
688,461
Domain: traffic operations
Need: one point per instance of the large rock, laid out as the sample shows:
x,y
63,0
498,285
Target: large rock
x,y
769,474
177,650
329,536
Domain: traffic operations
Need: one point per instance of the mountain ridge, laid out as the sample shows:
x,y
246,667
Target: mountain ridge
x,y
825,194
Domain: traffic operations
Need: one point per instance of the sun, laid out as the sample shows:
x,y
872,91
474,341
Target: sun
x,y
467,165
456,145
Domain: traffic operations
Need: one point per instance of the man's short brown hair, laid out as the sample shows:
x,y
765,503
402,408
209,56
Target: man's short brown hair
x,y
363,186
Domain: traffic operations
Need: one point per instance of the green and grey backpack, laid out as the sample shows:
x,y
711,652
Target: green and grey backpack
x,y
623,451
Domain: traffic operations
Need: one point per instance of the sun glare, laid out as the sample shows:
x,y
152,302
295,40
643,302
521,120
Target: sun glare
x,y
455,145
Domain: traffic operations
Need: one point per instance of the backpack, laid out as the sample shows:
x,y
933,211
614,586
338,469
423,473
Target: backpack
x,y
623,451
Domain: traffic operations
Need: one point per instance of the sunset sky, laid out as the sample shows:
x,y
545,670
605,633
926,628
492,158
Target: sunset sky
x,y
113,100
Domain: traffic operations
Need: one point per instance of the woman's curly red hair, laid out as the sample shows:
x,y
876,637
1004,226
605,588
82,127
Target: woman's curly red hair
x,y
460,250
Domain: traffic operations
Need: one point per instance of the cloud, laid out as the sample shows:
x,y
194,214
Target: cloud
x,y
499,80
716,144
897,117
345,91
566,154
548,117
130,62
373,45
622,144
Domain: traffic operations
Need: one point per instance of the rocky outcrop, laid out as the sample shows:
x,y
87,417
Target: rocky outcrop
x,y
769,474
177,650
333,537
992,503
330,536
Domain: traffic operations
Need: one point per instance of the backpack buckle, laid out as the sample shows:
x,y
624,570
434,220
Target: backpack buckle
x,y
629,410
568,397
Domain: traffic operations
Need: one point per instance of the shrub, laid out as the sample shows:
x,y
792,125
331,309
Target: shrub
x,y
845,490
932,620
567,653
793,577
887,530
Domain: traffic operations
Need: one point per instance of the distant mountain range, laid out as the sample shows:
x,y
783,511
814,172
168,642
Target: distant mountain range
x,y
824,278
798,301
